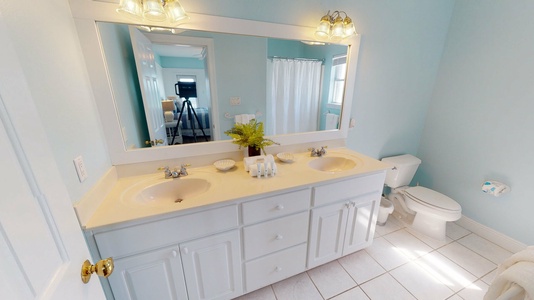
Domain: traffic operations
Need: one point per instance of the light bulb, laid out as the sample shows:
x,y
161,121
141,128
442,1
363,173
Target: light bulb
x,y
348,27
323,29
175,11
337,29
153,11
130,8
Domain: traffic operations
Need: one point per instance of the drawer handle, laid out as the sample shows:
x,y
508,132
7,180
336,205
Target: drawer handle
x,y
279,207
174,253
278,269
185,250
347,204
279,237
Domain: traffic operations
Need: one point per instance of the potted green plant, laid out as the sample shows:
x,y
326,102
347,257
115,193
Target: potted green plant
x,y
250,135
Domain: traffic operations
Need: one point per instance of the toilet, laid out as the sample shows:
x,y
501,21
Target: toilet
x,y
425,210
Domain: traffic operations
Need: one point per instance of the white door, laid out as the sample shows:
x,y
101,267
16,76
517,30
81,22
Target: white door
x,y
41,245
148,80
327,233
212,267
361,223
151,275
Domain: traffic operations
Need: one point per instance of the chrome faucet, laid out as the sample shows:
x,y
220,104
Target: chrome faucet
x,y
318,152
175,173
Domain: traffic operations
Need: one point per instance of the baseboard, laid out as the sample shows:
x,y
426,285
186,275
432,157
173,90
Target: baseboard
x,y
491,235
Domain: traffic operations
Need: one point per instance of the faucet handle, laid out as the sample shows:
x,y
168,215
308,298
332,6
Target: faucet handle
x,y
183,170
166,170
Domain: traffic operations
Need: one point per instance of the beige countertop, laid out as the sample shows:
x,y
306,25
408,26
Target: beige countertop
x,y
234,184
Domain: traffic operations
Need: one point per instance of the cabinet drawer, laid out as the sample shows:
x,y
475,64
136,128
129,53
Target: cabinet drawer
x,y
275,267
271,236
348,189
137,238
276,206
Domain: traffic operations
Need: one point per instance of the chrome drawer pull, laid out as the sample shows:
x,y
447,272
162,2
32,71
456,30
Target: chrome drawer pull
x,y
279,237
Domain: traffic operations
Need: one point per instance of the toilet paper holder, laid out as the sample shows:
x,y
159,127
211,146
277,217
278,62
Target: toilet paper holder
x,y
495,188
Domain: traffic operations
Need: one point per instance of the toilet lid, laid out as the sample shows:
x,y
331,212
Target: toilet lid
x,y
432,198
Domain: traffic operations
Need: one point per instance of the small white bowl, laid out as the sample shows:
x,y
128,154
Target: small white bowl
x,y
224,164
285,157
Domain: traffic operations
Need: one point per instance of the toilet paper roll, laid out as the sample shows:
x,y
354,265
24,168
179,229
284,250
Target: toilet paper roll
x,y
495,188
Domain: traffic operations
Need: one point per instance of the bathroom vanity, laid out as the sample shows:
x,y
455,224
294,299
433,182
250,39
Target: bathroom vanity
x,y
240,233
225,233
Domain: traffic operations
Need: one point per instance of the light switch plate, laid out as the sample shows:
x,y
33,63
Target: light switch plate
x,y
80,168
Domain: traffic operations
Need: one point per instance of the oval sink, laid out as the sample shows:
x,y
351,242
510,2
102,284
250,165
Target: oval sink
x,y
169,191
332,164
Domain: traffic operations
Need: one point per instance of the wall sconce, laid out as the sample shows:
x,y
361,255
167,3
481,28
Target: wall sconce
x,y
334,27
170,11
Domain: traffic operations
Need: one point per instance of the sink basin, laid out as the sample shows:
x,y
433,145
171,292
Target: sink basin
x,y
332,164
167,192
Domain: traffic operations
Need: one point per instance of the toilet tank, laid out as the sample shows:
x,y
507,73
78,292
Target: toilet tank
x,y
403,169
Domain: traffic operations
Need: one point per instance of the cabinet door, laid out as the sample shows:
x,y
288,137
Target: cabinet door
x,y
361,223
152,275
212,266
327,233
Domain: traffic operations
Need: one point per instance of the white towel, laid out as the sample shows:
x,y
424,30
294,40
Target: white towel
x,y
515,278
331,121
244,118
238,119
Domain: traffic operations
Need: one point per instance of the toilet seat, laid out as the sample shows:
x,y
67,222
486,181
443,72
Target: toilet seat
x,y
433,199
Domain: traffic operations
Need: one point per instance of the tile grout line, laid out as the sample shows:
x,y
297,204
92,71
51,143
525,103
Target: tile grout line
x,y
410,260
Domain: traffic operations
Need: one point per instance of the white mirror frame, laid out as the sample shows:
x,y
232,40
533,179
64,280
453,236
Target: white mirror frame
x,y
87,12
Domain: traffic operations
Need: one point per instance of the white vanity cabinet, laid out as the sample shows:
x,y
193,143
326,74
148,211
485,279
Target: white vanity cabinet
x,y
275,235
183,257
222,252
343,217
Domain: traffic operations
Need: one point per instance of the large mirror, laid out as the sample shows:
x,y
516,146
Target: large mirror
x,y
173,87
89,19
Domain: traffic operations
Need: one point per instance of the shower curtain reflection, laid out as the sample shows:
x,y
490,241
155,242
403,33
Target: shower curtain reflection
x,y
293,99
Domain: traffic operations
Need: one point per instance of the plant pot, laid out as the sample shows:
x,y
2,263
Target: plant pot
x,y
252,151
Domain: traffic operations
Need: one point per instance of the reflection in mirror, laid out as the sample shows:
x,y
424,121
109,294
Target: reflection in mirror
x,y
291,86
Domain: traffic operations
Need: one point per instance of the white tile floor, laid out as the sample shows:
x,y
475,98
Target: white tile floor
x,y
401,264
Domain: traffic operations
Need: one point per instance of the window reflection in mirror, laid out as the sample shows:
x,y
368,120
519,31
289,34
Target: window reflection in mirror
x,y
240,71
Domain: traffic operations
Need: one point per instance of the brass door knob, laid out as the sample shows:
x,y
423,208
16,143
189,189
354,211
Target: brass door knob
x,y
154,142
102,268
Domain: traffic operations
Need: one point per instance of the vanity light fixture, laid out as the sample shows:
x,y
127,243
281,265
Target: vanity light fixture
x,y
164,11
334,27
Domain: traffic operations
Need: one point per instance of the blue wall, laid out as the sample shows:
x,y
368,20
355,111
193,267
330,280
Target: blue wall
x,y
479,125
181,62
